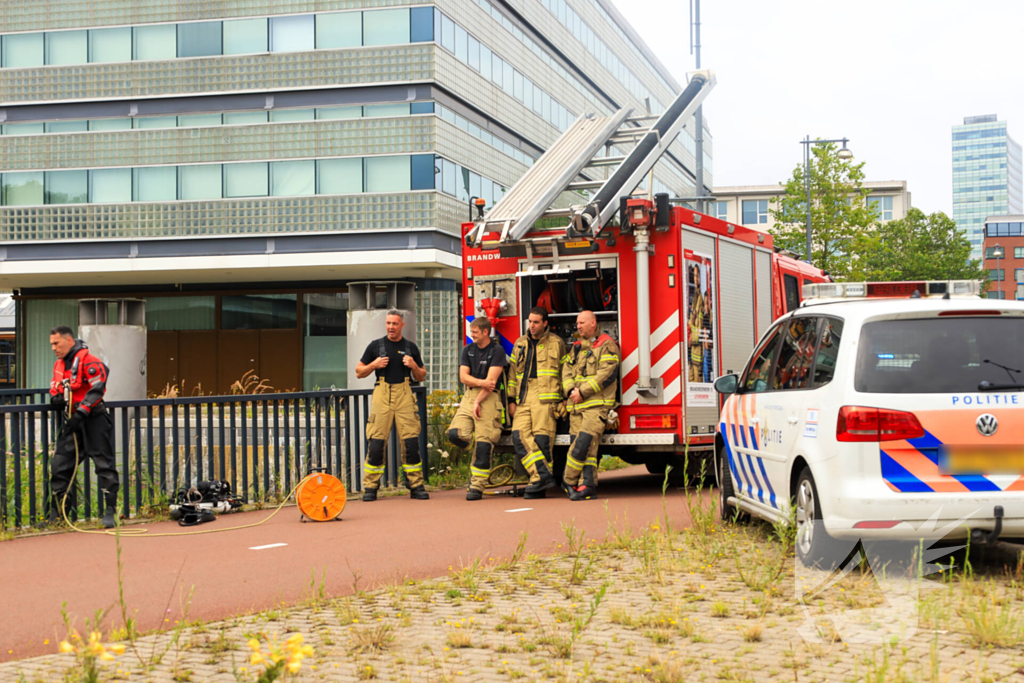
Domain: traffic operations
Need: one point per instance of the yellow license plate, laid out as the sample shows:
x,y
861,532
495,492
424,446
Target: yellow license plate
x,y
985,461
577,245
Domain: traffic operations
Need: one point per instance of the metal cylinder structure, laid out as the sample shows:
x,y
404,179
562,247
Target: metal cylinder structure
x,y
369,303
643,307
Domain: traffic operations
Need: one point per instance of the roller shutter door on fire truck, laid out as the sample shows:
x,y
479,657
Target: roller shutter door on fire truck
x,y
736,290
704,245
764,294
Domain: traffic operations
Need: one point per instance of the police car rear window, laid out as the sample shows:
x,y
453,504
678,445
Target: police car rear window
x,y
939,355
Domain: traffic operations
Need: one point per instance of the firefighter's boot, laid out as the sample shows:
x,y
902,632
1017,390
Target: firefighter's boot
x,y
369,495
546,481
473,494
419,493
63,507
110,511
587,490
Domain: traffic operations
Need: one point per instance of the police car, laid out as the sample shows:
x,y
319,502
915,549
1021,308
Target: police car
x,y
881,411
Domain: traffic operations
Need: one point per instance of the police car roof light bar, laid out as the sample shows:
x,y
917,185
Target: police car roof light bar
x,y
892,290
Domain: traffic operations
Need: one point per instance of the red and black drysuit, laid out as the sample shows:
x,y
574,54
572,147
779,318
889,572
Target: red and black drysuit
x,y
90,425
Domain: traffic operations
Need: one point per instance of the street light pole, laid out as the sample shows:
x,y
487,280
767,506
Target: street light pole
x,y
844,154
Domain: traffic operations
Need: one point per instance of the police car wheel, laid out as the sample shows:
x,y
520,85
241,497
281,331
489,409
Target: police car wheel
x,y
814,546
726,510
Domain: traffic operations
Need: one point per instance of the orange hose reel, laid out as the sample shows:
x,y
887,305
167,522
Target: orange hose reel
x,y
321,497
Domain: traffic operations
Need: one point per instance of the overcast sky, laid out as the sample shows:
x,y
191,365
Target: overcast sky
x,y
891,75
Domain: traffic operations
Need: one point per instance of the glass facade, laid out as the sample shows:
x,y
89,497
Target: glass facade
x,y
987,176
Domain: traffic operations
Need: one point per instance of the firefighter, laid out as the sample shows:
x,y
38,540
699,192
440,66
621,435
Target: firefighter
x,y
86,433
535,396
480,412
589,379
396,361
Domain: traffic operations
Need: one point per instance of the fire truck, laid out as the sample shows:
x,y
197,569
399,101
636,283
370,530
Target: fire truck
x,y
685,294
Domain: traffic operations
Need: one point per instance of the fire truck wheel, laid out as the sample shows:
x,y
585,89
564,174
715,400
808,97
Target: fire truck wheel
x,y
656,464
727,511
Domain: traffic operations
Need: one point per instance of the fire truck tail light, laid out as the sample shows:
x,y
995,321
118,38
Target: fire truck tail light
x,y
877,524
857,424
652,422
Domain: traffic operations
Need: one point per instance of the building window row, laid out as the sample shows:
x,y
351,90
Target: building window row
x,y
1003,230
627,41
720,210
755,212
470,51
347,175
295,33
997,274
476,131
587,37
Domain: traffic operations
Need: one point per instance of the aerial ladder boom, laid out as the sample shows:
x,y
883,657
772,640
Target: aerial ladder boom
x,y
568,164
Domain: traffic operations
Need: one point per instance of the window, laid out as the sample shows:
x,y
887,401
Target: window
x,y
291,115
388,174
828,351
447,34
67,126
67,47
1018,252
110,124
242,36
154,184
110,185
936,355
292,34
796,355
324,347
66,187
990,252
156,122
245,117
200,182
997,275
386,110
199,120
461,44
386,27
342,29
422,171
19,50
755,211
339,176
22,189
199,39
792,287
421,20
154,42
882,206
23,129
996,294
755,378
1018,275
421,108
339,113
258,311
181,313
720,210
110,45
292,178
246,180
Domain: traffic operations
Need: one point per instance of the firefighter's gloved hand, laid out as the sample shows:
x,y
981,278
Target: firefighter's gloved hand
x,y
72,423
57,402
560,412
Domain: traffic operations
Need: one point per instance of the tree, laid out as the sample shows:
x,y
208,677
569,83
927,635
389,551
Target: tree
x,y
916,247
838,210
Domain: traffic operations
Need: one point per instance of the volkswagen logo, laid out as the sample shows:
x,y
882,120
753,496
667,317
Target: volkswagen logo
x,y
987,424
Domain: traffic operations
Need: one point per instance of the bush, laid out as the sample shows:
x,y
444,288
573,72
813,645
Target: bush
x,y
449,464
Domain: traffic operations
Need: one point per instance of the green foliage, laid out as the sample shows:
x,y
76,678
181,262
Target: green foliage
x,y
449,464
838,210
917,247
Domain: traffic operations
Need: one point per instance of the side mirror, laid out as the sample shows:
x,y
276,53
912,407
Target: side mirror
x,y
727,384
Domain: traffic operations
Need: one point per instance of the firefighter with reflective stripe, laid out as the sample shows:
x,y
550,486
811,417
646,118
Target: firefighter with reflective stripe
x,y
589,379
535,394
87,432
480,412
396,362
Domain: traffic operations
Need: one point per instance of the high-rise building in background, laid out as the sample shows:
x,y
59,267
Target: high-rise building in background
x,y
987,176
237,163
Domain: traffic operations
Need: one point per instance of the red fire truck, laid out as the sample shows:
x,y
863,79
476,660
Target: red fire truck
x,y
687,295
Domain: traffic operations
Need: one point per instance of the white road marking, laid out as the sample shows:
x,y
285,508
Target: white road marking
x,y
519,510
264,547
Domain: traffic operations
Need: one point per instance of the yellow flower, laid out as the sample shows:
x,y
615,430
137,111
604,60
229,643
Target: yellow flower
x,y
254,644
117,649
66,647
107,657
256,658
293,667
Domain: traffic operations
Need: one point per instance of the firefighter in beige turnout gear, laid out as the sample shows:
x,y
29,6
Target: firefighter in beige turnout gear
x,y
480,412
535,394
589,380
395,361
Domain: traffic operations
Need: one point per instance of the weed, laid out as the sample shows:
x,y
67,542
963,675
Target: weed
x,y
376,638
577,549
458,637
719,609
989,624
366,672
753,633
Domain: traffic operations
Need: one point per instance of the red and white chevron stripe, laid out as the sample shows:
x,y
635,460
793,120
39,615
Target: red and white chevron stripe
x,y
666,352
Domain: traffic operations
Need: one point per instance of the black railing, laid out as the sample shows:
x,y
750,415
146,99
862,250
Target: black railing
x,y
263,444
23,396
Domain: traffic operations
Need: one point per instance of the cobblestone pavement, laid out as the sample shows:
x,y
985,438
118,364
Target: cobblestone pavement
x,y
714,604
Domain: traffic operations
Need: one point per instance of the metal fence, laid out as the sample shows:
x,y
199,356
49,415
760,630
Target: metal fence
x,y
22,396
263,444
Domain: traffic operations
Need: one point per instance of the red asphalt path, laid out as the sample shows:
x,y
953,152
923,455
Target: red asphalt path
x,y
391,539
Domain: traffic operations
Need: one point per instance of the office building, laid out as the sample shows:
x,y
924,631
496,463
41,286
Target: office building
x,y
236,163
987,179
751,205
1004,256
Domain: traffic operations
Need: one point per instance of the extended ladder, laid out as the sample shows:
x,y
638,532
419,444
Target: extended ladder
x,y
564,165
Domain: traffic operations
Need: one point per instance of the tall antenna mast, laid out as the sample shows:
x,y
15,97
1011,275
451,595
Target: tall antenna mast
x,y
699,117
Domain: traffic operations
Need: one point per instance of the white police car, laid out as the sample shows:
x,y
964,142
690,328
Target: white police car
x,y
881,411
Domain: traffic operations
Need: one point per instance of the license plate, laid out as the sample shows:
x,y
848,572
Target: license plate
x,y
984,461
